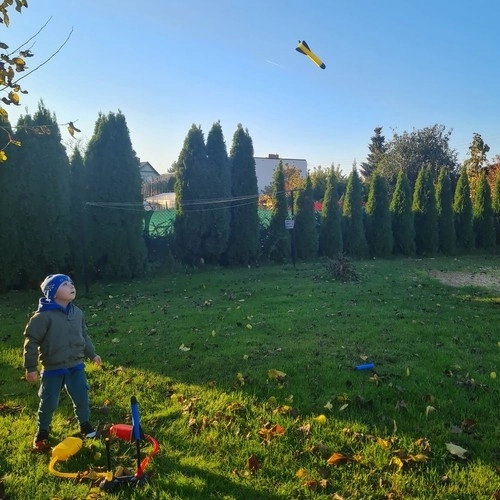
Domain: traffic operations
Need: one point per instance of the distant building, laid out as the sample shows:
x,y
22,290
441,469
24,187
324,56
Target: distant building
x,y
147,171
265,167
160,201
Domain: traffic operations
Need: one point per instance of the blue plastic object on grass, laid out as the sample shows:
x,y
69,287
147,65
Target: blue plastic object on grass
x,y
367,366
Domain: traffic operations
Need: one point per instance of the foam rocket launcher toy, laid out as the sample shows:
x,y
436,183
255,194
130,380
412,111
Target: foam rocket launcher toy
x,y
131,433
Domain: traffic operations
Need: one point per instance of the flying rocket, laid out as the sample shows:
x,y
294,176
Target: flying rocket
x,y
303,48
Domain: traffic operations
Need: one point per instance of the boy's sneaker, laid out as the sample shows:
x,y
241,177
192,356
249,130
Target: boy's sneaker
x,y
41,442
87,430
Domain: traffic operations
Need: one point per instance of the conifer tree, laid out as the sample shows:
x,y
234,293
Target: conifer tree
x,y
77,209
40,199
425,214
243,247
353,229
191,195
462,212
444,205
377,148
218,212
484,226
403,228
306,232
277,245
475,162
496,209
11,186
114,206
330,237
378,218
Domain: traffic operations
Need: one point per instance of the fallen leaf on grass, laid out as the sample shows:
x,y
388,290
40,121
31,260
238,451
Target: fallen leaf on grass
x,y
267,433
184,348
321,419
305,429
424,444
383,443
276,374
468,425
253,464
337,459
301,473
456,450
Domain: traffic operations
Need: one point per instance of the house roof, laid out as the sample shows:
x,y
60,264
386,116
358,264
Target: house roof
x,y
145,166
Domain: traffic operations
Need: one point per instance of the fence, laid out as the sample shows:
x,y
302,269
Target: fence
x,y
160,223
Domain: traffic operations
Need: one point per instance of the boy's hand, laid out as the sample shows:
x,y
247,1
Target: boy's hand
x,y
31,377
97,360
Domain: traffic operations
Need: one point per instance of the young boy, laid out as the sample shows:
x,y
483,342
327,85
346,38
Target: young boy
x,y
56,336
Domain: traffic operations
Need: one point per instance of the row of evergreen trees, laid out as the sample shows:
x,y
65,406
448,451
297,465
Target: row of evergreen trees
x,y
69,215
84,215
429,220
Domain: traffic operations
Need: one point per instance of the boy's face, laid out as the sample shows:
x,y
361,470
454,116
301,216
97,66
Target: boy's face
x,y
66,291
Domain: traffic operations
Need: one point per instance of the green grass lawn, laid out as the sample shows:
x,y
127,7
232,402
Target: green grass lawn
x,y
247,379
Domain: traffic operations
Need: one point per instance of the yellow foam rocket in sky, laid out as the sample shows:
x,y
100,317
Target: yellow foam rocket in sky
x,y
303,48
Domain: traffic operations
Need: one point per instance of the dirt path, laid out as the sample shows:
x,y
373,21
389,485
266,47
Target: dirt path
x,y
482,278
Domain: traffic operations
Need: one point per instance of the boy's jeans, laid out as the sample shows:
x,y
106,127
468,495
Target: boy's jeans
x,y
76,386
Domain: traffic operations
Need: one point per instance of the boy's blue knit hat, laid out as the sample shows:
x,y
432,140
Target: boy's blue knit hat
x,y
51,283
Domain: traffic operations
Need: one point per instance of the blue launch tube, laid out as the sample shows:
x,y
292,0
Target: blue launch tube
x,y
136,424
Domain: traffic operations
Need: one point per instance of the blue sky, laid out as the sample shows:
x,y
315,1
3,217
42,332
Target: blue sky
x,y
166,64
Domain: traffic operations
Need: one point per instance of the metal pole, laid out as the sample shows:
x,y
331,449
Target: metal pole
x,y
292,239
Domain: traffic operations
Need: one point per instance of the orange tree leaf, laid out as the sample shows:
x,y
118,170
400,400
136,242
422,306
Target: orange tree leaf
x,y
312,485
337,459
278,430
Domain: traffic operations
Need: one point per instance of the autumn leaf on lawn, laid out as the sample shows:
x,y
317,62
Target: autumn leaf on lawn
x,y
267,433
253,464
305,429
424,444
328,406
184,348
321,419
283,410
241,378
276,374
456,450
383,443
337,459
312,485
301,473
396,462
468,425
